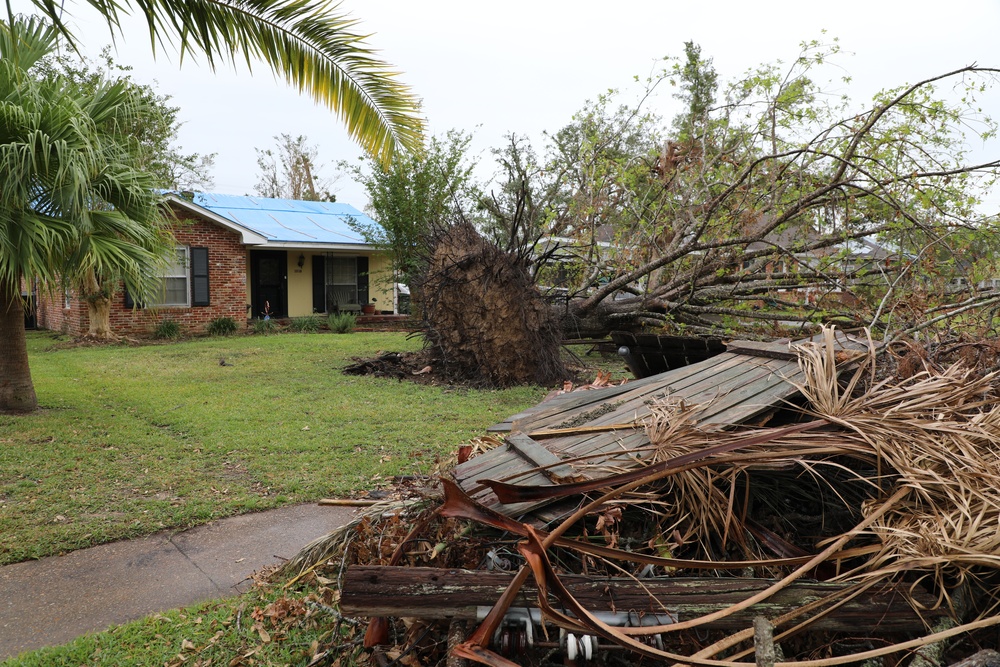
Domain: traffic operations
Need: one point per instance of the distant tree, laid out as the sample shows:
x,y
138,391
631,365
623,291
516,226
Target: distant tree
x,y
291,171
156,131
416,193
73,206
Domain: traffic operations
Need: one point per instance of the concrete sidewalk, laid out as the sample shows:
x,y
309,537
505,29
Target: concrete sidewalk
x,y
53,600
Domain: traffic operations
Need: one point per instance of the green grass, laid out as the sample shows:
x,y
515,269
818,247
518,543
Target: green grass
x,y
131,440
219,632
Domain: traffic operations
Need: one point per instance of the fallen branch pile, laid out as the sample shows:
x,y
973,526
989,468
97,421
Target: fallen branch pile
x,y
865,531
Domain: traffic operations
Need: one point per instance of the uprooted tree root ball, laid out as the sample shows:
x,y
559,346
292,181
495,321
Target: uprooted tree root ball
x,y
487,323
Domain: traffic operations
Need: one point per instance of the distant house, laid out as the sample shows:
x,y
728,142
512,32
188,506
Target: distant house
x,y
248,257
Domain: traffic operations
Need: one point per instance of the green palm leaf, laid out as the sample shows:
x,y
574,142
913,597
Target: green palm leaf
x,y
309,43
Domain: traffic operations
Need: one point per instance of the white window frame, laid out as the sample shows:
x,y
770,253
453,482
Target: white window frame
x,y
185,276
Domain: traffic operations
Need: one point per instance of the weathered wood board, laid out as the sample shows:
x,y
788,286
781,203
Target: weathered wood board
x,y
425,592
733,388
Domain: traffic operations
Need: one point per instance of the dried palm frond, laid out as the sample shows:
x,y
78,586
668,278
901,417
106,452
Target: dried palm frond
x,y
938,433
335,545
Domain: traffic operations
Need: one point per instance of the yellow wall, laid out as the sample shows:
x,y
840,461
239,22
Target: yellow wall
x,y
380,283
299,285
300,300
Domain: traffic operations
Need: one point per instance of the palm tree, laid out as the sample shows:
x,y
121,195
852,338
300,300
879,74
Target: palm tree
x,y
72,205
307,42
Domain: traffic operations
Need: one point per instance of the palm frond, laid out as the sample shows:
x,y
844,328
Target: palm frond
x,y
309,43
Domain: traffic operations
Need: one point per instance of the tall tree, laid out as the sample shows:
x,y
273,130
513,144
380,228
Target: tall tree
x,y
418,192
155,131
73,207
309,43
772,190
699,83
291,170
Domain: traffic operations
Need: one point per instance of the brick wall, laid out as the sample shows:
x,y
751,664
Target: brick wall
x,y
227,276
52,314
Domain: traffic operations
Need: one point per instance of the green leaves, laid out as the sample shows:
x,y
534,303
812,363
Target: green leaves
x,y
311,45
72,199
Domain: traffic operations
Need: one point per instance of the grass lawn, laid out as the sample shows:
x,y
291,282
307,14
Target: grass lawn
x,y
131,440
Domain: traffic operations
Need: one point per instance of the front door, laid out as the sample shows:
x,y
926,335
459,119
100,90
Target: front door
x,y
269,283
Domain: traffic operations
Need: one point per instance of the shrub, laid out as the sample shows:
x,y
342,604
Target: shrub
x,y
266,326
342,322
222,326
167,329
307,324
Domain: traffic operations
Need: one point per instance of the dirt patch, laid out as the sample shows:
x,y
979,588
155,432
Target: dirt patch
x,y
423,368
413,366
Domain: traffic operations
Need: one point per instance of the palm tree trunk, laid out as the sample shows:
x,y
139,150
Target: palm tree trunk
x,y
17,393
98,307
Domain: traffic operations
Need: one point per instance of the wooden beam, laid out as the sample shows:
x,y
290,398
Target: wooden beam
x,y
538,456
755,348
439,593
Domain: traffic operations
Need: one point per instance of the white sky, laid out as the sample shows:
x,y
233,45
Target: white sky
x,y
526,66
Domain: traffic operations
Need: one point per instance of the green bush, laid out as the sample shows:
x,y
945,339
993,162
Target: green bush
x,y
307,324
342,322
266,326
222,326
167,329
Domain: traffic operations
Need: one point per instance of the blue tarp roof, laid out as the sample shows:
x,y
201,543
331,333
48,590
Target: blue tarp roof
x,y
288,220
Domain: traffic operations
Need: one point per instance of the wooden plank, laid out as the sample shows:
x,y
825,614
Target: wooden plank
x,y
769,397
726,380
701,380
720,390
766,386
735,387
437,593
538,456
564,402
671,380
758,349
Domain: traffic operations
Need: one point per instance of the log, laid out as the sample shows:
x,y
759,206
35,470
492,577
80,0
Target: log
x,y
437,593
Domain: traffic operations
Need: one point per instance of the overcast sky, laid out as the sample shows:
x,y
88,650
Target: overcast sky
x,y
526,66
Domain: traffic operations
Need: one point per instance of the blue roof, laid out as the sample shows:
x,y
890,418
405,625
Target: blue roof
x,y
288,220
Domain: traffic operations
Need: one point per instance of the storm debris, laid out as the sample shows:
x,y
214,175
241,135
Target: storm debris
x,y
855,510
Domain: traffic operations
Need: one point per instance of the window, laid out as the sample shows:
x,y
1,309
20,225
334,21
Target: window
x,y
174,290
184,281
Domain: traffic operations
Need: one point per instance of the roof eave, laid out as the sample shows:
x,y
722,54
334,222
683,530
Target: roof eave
x,y
247,236
297,245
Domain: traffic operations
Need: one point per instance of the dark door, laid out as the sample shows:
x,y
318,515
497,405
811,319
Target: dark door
x,y
269,283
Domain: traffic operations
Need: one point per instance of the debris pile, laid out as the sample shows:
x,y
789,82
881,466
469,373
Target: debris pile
x,y
801,508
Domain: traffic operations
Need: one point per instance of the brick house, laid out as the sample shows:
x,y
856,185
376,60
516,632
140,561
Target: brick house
x,y
244,258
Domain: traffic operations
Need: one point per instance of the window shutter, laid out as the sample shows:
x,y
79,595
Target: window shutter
x,y
200,294
319,283
363,296
129,301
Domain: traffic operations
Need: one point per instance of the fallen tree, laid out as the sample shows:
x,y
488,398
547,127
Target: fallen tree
x,y
770,206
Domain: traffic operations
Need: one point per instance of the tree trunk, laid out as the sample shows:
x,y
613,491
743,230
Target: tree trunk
x,y
599,321
17,393
98,308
